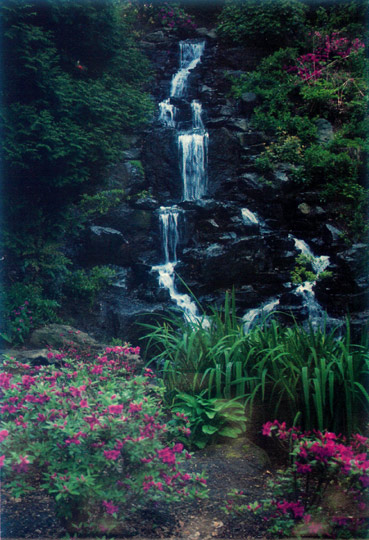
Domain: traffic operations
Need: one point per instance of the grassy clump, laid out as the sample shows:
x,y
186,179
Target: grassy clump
x,y
315,377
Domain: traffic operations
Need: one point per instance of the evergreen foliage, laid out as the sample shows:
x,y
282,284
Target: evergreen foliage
x,y
268,23
73,89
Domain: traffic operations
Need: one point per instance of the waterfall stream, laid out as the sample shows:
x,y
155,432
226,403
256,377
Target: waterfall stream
x,y
192,146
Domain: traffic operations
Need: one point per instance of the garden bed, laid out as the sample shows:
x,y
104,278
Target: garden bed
x,y
236,465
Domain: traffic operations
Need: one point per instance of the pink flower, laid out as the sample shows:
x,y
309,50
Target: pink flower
x,y
4,433
2,459
110,508
303,469
83,404
22,465
115,409
134,407
267,429
112,454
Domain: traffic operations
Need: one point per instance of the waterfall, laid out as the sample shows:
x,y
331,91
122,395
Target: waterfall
x,y
190,56
167,113
169,226
193,154
196,109
193,160
319,264
168,217
255,315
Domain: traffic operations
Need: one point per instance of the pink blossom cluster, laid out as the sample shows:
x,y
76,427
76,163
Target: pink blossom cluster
x,y
311,66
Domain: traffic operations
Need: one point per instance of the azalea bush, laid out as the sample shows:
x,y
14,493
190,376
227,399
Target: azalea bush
x,y
322,492
94,436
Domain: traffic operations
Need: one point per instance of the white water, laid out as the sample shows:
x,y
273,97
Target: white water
x,y
190,56
193,159
248,216
169,231
319,264
254,315
167,113
193,156
196,108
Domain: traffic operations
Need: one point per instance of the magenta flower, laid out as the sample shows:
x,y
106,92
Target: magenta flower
x,y
267,429
115,409
303,469
2,459
4,433
22,465
112,454
133,407
110,508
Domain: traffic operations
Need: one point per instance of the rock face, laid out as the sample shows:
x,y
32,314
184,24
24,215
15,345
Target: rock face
x,y
241,233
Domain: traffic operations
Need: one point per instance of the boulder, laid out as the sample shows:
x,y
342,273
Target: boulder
x,y
325,131
59,336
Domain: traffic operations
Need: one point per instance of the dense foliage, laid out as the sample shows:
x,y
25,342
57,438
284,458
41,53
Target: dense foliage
x,y
72,92
322,76
269,23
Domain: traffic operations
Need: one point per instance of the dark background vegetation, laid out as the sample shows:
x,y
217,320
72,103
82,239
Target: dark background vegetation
x,y
75,87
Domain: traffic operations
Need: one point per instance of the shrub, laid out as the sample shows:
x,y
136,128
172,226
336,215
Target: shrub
x,y
100,203
322,492
271,23
86,285
24,308
93,436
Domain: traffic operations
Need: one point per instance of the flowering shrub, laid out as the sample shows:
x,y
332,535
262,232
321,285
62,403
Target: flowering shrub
x,y
169,15
18,324
324,489
93,436
311,66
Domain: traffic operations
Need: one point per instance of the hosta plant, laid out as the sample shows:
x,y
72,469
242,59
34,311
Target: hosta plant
x,y
92,435
209,418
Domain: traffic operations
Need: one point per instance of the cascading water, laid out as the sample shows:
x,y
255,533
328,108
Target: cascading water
x,y
249,217
193,151
167,113
190,56
169,231
306,289
257,314
196,109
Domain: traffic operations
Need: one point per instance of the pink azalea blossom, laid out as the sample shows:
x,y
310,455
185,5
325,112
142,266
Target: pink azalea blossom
x,y
110,508
112,454
4,433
